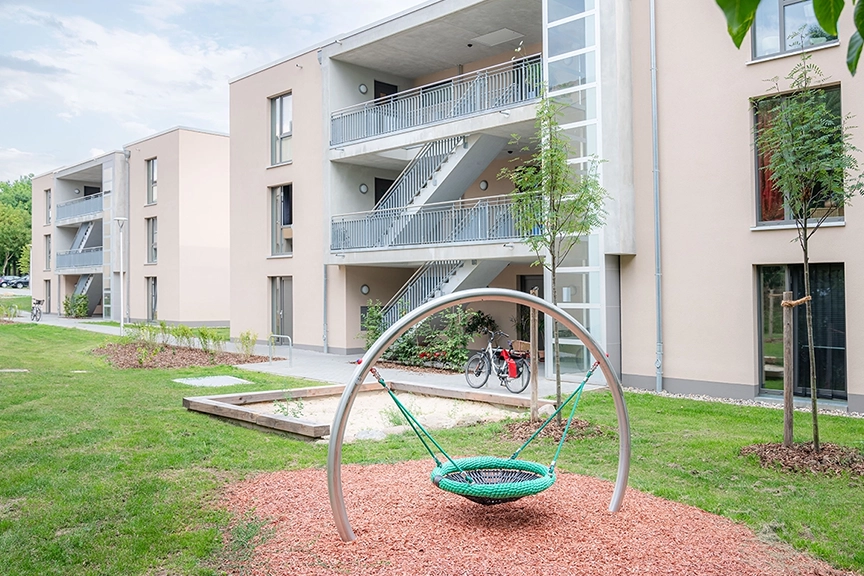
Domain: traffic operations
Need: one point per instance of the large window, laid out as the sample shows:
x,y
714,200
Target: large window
x,y
152,234
152,313
770,206
47,206
282,218
281,128
152,174
786,26
47,252
827,288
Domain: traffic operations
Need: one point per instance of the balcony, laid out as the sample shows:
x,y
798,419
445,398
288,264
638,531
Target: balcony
x,y
494,88
80,207
463,221
86,258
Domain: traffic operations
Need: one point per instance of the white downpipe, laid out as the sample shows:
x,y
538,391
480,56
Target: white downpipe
x,y
658,274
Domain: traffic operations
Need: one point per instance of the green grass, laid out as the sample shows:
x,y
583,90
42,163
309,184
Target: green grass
x,y
104,472
22,302
104,323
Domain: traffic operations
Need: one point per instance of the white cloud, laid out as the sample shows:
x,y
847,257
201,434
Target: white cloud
x,y
94,152
139,79
16,163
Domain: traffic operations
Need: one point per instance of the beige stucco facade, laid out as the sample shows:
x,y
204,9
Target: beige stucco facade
x,y
711,243
344,140
191,209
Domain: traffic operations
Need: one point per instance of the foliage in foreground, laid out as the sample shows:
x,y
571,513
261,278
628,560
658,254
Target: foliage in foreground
x,y
106,473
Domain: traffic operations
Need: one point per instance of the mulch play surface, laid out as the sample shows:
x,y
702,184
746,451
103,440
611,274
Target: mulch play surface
x,y
404,525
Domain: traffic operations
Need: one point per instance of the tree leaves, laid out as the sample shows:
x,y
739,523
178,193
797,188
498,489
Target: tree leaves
x,y
739,17
827,13
856,42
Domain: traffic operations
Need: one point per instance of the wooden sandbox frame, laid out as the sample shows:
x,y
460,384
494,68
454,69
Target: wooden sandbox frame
x,y
233,406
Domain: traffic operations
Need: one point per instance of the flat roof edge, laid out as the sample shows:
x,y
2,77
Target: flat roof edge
x,y
336,39
174,129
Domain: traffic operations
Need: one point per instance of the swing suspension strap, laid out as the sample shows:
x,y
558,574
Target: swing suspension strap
x,y
417,428
577,394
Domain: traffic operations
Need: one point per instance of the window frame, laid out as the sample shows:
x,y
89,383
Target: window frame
x,y
47,252
278,217
48,206
782,34
277,123
152,180
152,298
788,219
152,228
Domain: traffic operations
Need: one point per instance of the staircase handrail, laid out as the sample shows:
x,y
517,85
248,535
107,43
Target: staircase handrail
x,y
442,270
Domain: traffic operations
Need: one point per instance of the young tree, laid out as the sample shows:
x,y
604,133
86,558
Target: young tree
x,y
811,162
740,15
554,205
14,233
24,259
17,193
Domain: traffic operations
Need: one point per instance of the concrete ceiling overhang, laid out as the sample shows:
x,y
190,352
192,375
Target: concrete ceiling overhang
x,y
443,43
90,174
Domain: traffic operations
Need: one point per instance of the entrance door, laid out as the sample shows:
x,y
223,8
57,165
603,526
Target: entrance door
x,y
282,308
829,330
383,89
523,318
381,187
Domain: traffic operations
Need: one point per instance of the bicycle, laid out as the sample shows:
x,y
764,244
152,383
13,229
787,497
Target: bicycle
x,y
512,368
36,310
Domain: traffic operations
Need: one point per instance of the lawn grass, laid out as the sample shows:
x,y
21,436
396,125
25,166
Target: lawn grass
x,y
24,303
105,473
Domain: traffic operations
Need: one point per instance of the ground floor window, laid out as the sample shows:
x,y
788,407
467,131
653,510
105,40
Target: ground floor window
x,y
282,308
47,306
152,298
827,287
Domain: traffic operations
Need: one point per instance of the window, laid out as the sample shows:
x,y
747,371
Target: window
x,y
786,26
151,181
151,240
282,220
827,288
47,252
281,127
770,206
152,313
47,206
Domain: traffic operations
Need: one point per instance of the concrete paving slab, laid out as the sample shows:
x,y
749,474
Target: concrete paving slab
x,y
212,381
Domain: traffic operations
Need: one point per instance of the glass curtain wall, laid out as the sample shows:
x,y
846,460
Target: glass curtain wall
x,y
571,60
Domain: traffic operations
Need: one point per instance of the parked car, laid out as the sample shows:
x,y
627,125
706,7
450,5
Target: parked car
x,y
15,281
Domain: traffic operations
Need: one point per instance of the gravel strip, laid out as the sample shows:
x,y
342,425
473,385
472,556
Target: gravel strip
x,y
739,402
404,525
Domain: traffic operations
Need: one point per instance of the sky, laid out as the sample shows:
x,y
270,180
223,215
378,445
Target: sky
x,y
81,77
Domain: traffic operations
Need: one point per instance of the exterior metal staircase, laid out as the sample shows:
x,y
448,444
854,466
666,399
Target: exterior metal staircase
x,y
439,278
81,236
90,285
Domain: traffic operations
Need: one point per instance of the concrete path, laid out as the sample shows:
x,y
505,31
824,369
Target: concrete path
x,y
331,368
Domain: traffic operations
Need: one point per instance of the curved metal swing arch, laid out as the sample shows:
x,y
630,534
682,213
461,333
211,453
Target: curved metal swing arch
x,y
337,431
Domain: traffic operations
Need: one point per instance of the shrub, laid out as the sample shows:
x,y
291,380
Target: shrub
x,y
76,305
8,311
183,335
373,323
206,338
247,342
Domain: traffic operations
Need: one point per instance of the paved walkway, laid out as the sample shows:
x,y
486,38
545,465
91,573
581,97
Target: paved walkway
x,y
331,368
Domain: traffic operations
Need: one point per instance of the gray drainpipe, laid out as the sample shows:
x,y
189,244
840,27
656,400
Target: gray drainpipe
x,y
658,275
326,347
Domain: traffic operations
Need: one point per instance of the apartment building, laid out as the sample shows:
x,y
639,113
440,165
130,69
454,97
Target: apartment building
x,y
163,200
365,168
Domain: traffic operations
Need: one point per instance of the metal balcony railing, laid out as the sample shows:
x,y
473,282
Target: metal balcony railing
x,y
493,88
80,207
86,258
418,172
475,220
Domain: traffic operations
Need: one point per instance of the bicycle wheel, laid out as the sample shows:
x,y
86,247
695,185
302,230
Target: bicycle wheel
x,y
36,315
518,384
477,370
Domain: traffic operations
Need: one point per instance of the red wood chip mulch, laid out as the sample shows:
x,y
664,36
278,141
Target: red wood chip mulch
x,y
404,525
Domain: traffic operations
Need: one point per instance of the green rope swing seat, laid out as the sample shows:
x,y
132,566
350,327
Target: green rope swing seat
x,y
491,480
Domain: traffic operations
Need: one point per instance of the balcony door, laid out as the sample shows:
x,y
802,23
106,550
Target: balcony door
x,y
282,307
381,187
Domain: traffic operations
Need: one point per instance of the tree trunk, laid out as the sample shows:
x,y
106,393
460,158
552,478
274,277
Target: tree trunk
x,y
788,371
534,355
556,349
810,347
